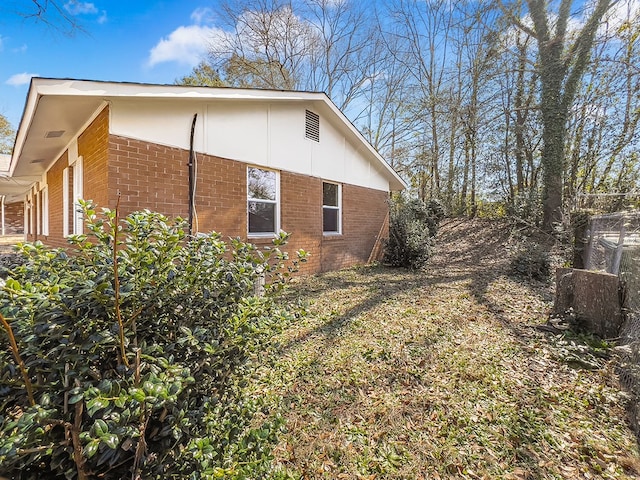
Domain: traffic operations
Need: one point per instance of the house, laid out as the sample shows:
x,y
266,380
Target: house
x,y
263,161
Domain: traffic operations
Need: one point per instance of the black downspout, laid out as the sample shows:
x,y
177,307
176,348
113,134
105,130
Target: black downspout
x,y
191,165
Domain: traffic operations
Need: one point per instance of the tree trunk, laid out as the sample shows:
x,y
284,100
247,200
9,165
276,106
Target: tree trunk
x,y
553,135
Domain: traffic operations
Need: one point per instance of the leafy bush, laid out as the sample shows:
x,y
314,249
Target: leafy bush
x,y
526,207
132,356
533,261
412,226
8,262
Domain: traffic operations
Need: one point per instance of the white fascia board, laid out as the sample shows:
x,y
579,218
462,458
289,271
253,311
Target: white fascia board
x,y
47,86
25,122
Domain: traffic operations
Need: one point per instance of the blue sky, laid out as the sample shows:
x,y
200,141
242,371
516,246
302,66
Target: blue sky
x,y
126,40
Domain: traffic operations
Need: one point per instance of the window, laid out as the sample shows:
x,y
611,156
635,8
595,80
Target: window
x,y
41,210
331,200
44,206
72,220
263,191
38,207
28,214
312,126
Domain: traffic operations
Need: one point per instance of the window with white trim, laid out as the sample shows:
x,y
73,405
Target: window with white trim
x,y
263,200
28,214
331,207
72,220
44,209
38,210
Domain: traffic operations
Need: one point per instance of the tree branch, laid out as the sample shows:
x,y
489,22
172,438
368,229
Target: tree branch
x,y
16,355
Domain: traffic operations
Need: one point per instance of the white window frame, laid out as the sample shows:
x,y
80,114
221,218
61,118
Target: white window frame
x,y
27,214
75,224
65,202
332,207
37,198
78,194
260,200
45,210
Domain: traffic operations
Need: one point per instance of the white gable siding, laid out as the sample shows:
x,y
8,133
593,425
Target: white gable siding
x,y
238,132
267,134
163,122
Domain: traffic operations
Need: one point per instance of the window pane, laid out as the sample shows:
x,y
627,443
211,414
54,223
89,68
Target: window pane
x,y
330,219
261,184
262,217
330,194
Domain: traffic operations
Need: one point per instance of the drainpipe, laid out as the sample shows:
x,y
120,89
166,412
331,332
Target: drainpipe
x,y
3,232
191,175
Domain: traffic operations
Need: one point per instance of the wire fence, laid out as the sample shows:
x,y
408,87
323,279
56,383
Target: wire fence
x,y
606,202
613,246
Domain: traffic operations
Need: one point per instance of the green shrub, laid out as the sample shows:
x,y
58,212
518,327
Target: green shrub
x,y
412,226
526,207
8,262
143,373
533,261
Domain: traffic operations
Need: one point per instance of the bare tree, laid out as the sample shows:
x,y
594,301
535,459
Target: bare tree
x,y
51,13
563,57
422,30
266,41
345,45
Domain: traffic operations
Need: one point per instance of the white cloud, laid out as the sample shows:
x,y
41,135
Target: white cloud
x,y
75,7
185,45
103,17
20,79
622,12
202,15
21,49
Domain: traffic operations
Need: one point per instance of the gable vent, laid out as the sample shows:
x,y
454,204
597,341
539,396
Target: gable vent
x,y
54,134
312,126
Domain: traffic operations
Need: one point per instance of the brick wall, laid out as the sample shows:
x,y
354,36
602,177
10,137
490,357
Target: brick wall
x,y
54,182
92,147
364,214
156,177
14,218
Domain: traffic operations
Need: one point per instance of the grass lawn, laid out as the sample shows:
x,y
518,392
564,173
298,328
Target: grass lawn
x,y
442,374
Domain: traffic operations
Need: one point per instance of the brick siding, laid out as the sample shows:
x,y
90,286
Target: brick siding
x,y
54,182
14,218
92,147
364,214
156,177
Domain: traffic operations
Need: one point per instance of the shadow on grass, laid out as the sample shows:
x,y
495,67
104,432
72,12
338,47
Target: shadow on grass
x,y
380,284
467,252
